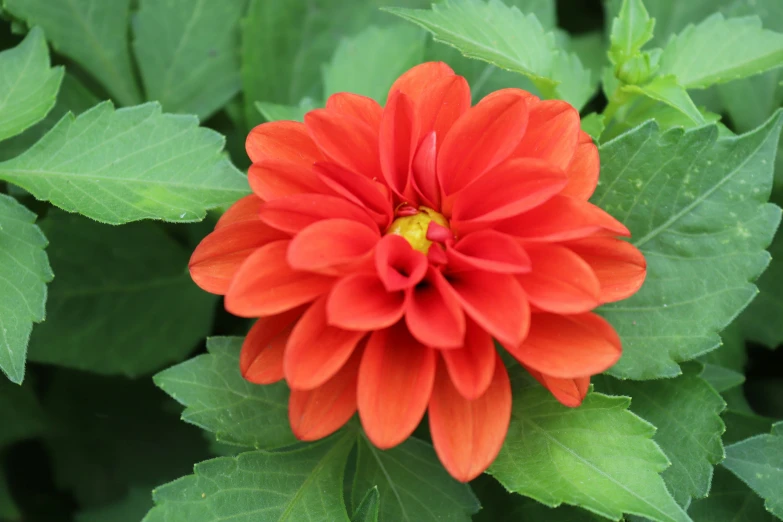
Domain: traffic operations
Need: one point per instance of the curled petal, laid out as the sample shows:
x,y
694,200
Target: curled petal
x,y
330,244
471,367
583,170
552,133
492,251
347,141
272,179
282,141
245,209
570,392
423,177
433,313
357,106
417,80
398,139
294,213
619,265
399,265
361,302
261,358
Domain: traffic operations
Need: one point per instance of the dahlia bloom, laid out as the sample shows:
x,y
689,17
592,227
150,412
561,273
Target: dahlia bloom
x,y
384,249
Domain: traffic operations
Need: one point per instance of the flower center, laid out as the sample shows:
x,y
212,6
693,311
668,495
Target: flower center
x,y
413,225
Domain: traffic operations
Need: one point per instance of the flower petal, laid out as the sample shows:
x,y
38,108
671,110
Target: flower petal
x,y
490,250
423,176
569,346
331,243
294,213
398,139
442,104
399,265
357,106
244,209
347,141
367,193
420,78
314,414
282,141
361,302
472,366
583,169
395,382
561,281
261,358
619,265
468,434
316,350
570,392
270,179
433,314
552,133
266,285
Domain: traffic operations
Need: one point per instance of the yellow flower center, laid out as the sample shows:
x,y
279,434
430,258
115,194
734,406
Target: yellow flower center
x,y
414,228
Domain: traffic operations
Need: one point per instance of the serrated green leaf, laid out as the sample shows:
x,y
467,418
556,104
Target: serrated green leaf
x,y
412,483
304,485
758,461
666,90
599,456
369,62
709,53
632,28
91,32
731,354
129,164
730,501
697,208
505,37
218,399
24,272
368,510
593,124
276,112
686,412
28,86
720,378
187,53
742,423
749,101
131,282
761,322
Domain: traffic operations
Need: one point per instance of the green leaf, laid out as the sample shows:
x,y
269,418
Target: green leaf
x,y
91,32
22,415
632,28
218,399
368,510
505,37
187,53
731,354
730,500
412,483
129,164
761,321
8,509
666,90
296,486
686,412
710,53
276,112
369,62
599,456
697,208
720,378
131,282
132,508
28,86
750,101
758,461
742,423
24,272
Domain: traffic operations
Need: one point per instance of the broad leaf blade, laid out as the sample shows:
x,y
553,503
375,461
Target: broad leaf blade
x,y
28,86
91,32
697,208
129,164
730,500
666,90
24,272
218,399
368,510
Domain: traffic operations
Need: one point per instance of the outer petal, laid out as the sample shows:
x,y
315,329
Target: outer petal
x,y
361,302
570,392
433,313
399,265
261,358
366,193
569,346
266,285
272,179
399,137
294,213
583,169
552,133
315,350
490,250
282,141
496,302
395,382
319,412
563,218
468,434
417,80
357,106
244,209
442,104
471,367
345,140
330,244
561,281
619,266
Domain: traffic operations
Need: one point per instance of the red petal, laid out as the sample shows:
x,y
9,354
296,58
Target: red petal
x,y
552,133
472,366
266,285
330,244
361,302
345,140
570,392
619,266
561,281
423,177
433,314
569,346
468,435
366,193
244,209
276,179
442,104
509,189
491,251
395,383
399,265
261,358
398,139
316,350
562,218
496,302
420,78
314,414
220,254
294,213
357,106
583,170
282,141
483,137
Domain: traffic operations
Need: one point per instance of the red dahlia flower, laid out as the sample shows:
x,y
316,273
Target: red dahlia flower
x,y
384,248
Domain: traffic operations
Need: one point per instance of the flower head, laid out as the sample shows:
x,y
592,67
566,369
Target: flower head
x,y
385,249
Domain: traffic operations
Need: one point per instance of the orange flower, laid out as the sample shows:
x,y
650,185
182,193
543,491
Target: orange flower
x,y
384,248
